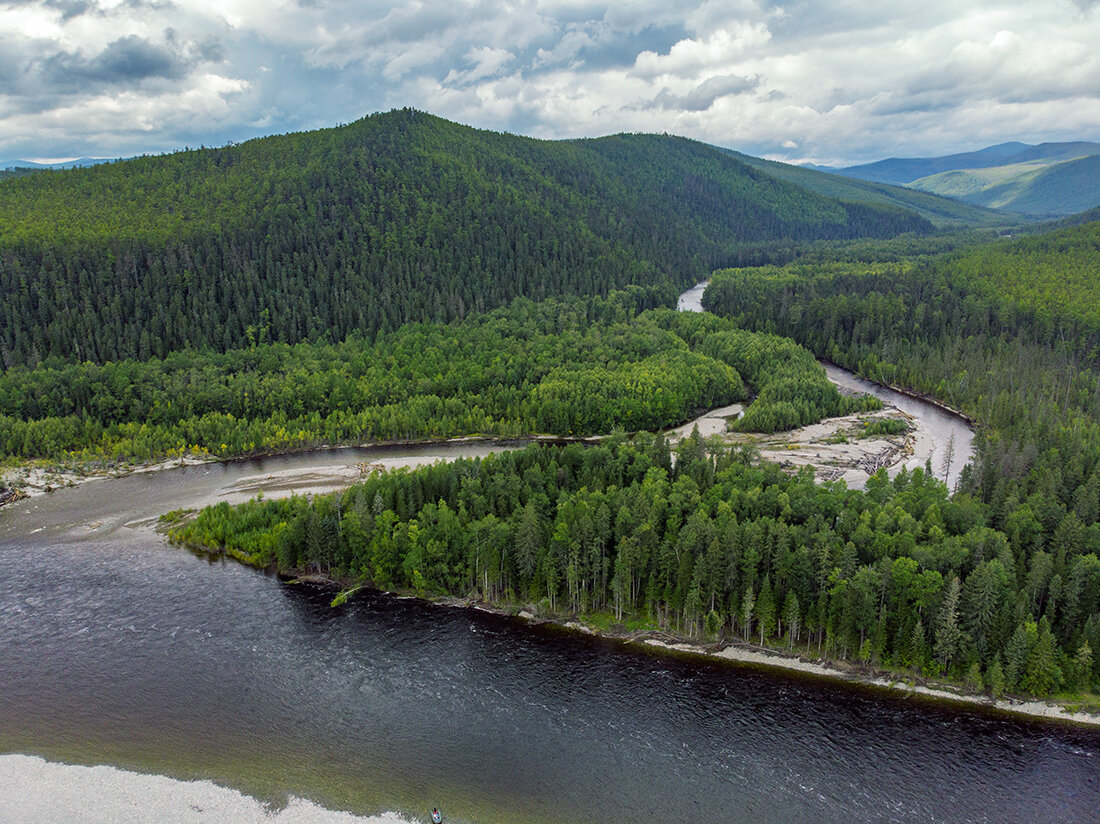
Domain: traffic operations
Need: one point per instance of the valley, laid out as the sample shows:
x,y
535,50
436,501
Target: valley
x,y
413,398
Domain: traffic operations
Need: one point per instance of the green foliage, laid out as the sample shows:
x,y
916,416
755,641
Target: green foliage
x,y
995,679
397,217
1053,276
791,387
884,426
615,526
562,366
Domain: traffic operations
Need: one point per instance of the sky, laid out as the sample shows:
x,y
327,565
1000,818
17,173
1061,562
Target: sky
x,y
834,83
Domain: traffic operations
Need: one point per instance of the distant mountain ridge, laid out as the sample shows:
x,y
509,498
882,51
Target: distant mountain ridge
x,y
902,170
1038,188
1044,180
78,163
395,218
942,211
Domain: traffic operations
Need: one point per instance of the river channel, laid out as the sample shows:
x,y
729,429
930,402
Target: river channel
x,y
188,682
943,440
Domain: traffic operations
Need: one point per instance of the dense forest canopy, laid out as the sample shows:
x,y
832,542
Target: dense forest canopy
x,y
1053,275
1007,333
997,585
395,218
567,367
901,575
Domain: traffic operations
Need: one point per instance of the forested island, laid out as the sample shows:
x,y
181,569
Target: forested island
x,y
405,278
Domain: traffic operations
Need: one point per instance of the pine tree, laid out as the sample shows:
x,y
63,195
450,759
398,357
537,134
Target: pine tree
x,y
765,609
792,614
947,625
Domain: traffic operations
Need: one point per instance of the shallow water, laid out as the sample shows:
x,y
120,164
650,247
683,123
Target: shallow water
x,y
950,443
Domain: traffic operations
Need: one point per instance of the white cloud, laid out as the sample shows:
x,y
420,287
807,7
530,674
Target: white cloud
x,y
847,80
690,57
487,62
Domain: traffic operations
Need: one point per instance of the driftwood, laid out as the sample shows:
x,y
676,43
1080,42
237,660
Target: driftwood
x,y
873,463
8,495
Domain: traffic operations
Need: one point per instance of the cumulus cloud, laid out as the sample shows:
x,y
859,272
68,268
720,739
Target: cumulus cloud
x,y
800,79
702,97
127,60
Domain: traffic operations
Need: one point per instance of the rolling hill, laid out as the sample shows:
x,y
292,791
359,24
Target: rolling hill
x,y
940,211
903,170
1037,187
357,229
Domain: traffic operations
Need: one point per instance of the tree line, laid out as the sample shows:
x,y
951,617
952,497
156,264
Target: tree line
x,y
360,229
705,542
568,366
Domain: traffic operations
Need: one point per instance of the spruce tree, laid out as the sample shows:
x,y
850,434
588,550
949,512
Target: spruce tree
x,y
748,604
947,625
765,609
995,678
791,614
1042,674
1082,667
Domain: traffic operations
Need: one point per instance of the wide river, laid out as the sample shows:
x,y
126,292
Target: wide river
x,y
188,683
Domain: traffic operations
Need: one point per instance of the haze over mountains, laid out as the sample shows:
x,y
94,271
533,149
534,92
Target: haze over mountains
x,y
1048,179
77,163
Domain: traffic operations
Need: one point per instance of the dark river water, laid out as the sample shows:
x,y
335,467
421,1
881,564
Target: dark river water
x,y
119,649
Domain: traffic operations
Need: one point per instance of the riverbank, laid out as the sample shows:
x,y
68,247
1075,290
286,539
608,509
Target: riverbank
x,y
842,671
746,654
741,653
36,791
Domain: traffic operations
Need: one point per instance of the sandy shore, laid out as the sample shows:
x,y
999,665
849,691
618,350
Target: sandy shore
x,y
36,480
759,657
35,791
835,450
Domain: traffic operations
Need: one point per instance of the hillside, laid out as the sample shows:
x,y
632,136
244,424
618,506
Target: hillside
x,y
903,170
1039,187
397,217
940,211
1055,276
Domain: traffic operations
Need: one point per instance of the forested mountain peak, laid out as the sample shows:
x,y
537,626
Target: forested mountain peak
x,y
396,217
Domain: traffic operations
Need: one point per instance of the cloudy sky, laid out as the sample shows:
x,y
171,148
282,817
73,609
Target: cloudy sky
x,y
830,82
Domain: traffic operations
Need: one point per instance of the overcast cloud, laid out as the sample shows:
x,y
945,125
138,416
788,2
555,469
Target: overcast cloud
x,y
846,81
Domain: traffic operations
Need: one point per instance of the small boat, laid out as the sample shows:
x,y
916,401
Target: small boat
x,y
437,816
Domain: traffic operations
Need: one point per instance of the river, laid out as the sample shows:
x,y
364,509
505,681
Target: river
x,y
942,439
205,691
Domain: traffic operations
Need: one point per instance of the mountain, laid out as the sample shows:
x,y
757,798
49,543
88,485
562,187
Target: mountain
x,y
1037,187
905,170
940,211
78,163
395,218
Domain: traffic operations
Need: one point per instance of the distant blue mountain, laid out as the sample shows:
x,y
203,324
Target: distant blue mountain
x,y
902,170
67,164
